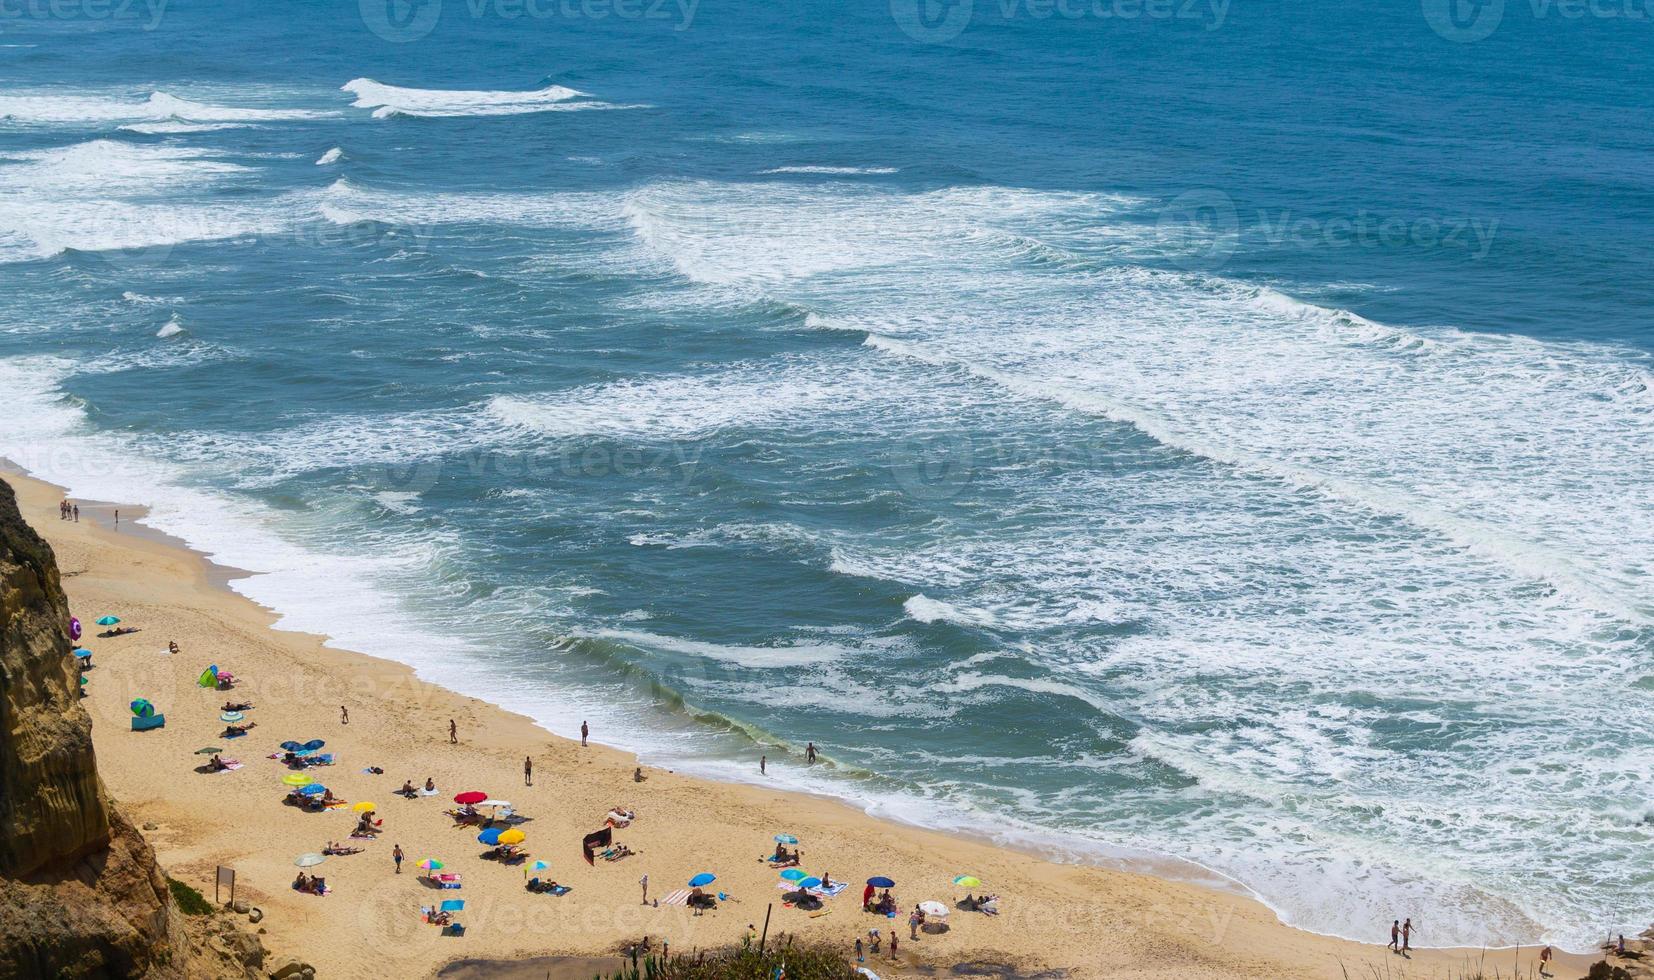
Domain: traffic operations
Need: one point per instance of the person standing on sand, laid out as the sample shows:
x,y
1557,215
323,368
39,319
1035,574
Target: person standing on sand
x,y
528,770
1395,935
584,731
396,855
810,753
763,765
453,732
644,881
76,509
861,957
915,919
1545,961
1406,936
895,940
344,715
117,517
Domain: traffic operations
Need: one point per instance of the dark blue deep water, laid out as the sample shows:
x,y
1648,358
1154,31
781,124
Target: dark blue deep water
x,y
1125,428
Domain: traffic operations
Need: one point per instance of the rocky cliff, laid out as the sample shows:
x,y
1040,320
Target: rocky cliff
x,y
80,892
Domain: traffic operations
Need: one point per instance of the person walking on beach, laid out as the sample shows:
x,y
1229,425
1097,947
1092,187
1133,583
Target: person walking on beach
x,y
763,765
895,941
344,715
117,517
915,919
528,770
644,881
453,732
1395,935
76,510
810,753
584,731
396,855
1545,961
1406,937
861,956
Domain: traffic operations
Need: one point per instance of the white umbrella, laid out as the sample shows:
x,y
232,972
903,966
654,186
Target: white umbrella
x,y
935,910
309,860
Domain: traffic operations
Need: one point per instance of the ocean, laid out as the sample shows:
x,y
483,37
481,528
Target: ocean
x,y
1134,430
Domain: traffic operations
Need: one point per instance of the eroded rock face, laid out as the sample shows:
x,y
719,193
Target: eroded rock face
x,y
80,895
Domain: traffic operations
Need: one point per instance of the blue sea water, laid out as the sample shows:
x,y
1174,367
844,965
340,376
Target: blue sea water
x,y
1194,429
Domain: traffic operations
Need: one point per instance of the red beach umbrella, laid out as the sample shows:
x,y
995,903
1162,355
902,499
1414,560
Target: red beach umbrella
x,y
470,797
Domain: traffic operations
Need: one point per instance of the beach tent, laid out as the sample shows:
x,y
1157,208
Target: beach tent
x,y
208,678
74,628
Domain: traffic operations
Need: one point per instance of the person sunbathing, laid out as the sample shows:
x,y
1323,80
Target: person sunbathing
x,y
237,706
233,731
334,848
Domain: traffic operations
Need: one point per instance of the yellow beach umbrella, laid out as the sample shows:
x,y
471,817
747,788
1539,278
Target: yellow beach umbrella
x,y
296,779
513,836
365,807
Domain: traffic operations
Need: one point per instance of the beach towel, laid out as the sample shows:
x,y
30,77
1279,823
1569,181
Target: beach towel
x,y
230,765
679,897
427,792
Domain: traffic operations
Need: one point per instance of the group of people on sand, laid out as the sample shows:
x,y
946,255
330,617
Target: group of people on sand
x,y
68,512
310,885
885,904
783,858
410,792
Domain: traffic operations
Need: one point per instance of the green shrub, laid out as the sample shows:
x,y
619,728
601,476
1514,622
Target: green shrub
x,y
190,901
743,963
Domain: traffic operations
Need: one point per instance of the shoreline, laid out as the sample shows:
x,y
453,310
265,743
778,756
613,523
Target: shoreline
x,y
1242,937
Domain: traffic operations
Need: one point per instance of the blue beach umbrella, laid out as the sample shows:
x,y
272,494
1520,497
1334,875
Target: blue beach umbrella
x,y
107,620
491,836
142,708
810,882
291,746
313,745
792,874
314,789
82,652
704,878
880,881
453,905
785,839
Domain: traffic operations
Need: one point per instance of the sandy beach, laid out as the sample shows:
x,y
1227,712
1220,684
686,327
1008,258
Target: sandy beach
x,y
1087,921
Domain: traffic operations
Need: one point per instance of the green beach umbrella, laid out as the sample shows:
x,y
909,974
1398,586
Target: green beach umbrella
x,y
107,620
209,750
968,881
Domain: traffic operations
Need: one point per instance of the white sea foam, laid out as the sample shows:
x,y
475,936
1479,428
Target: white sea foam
x,y
175,127
171,328
829,171
331,156
54,106
392,100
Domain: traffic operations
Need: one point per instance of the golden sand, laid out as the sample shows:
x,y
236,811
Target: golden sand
x,y
1091,921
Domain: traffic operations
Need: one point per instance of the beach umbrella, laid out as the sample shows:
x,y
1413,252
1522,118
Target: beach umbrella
x,y
453,905
785,839
430,864
538,866
792,874
470,797
314,789
880,881
296,779
364,807
108,620
83,680
810,882
291,746
209,750
142,708
968,881
513,836
82,652
704,878
935,910
491,836
309,860
230,716
74,628
313,745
